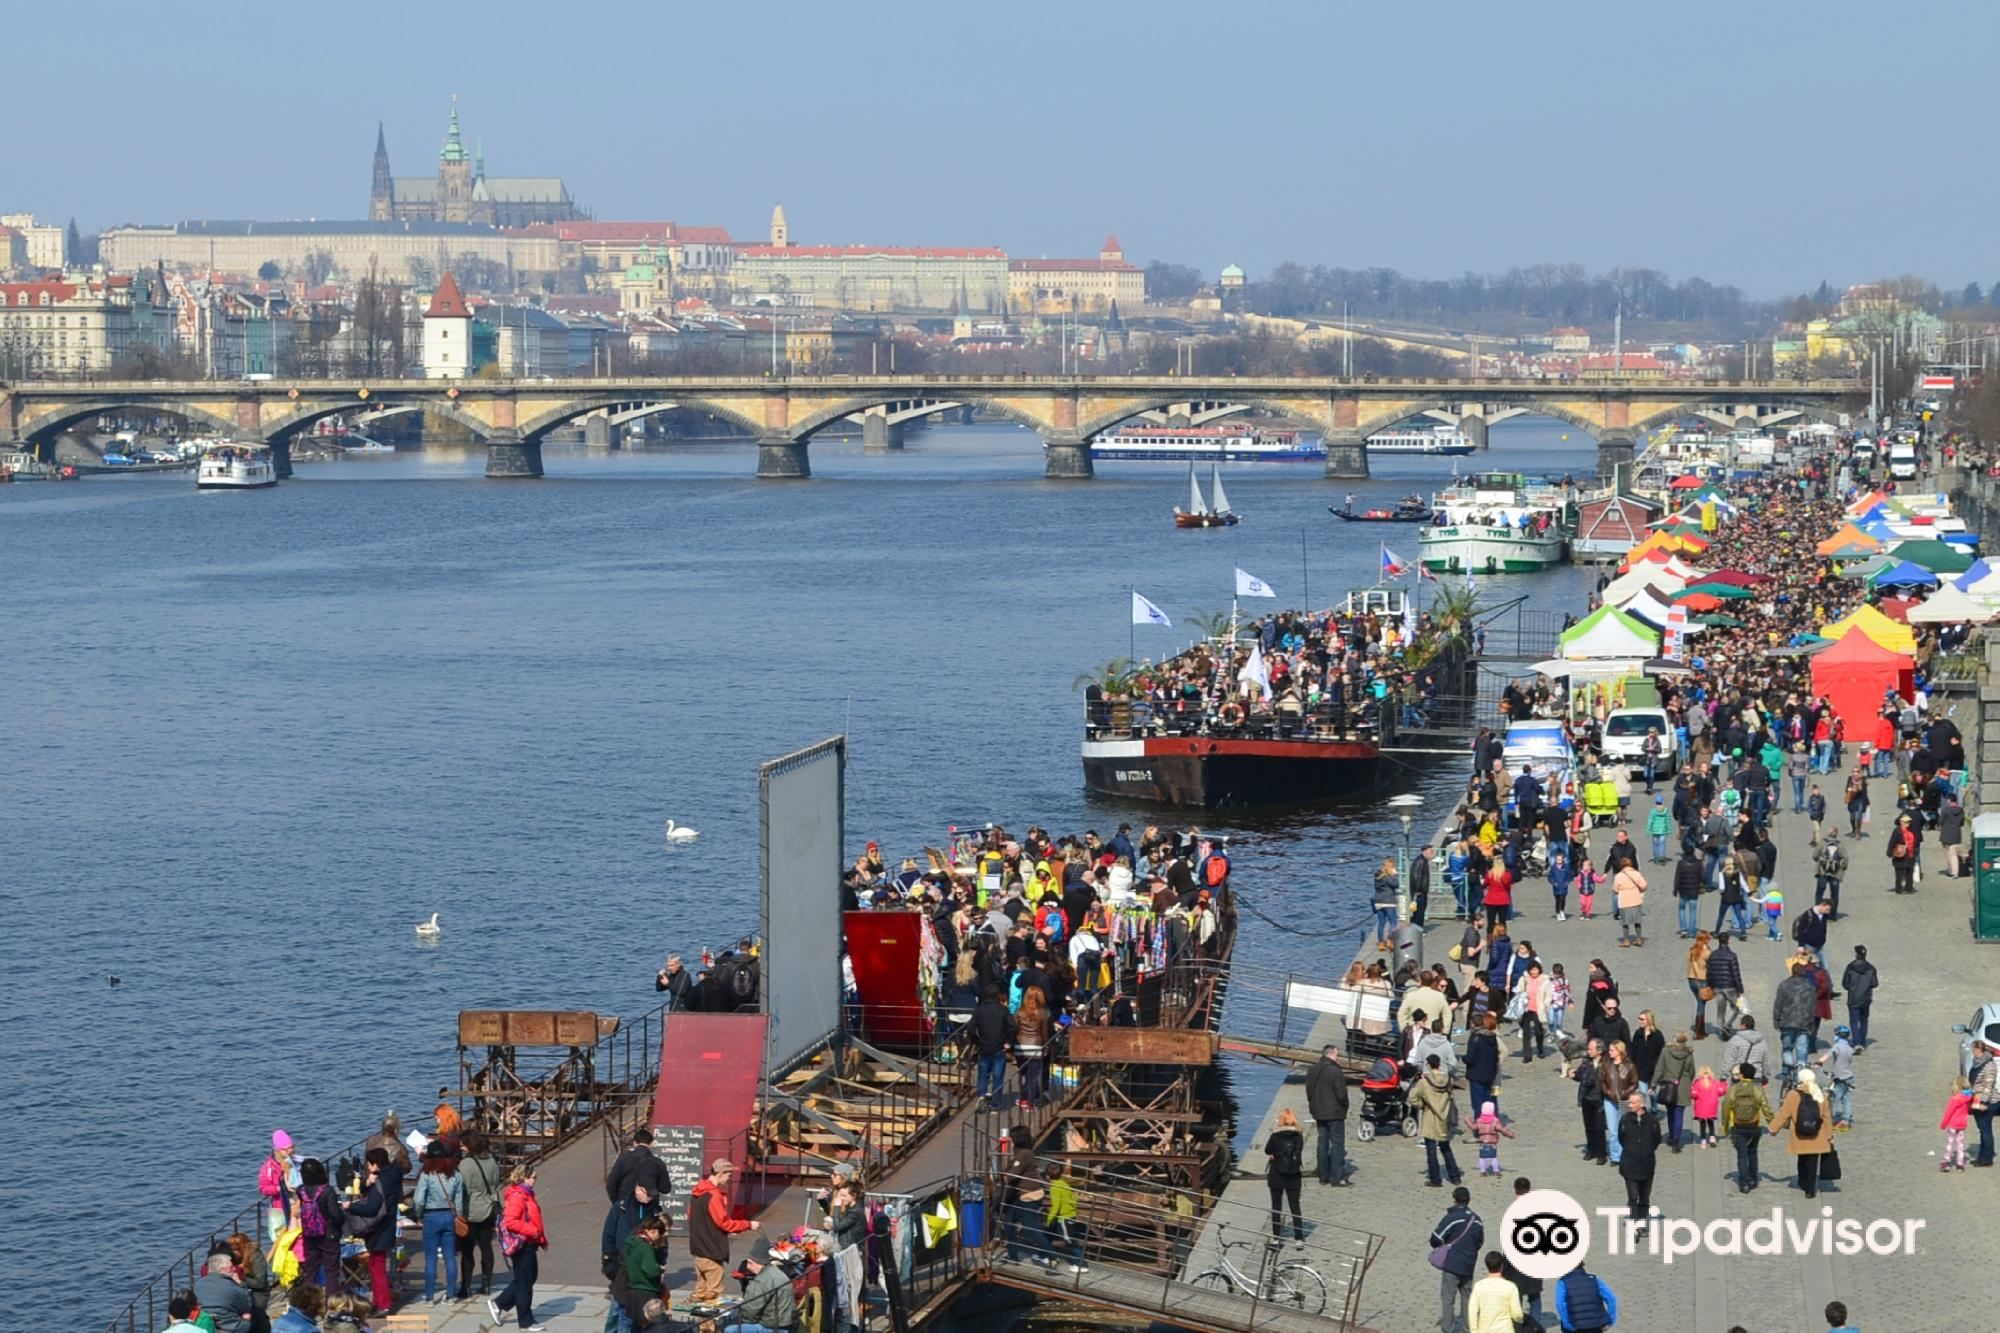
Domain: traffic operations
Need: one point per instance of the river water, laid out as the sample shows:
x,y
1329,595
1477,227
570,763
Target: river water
x,y
253,739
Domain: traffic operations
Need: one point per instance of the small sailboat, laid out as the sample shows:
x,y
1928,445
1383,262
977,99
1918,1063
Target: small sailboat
x,y
1198,514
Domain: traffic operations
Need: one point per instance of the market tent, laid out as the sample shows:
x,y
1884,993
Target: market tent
x,y
1867,502
1848,540
1904,574
1698,601
1648,605
1873,625
1865,568
1898,608
1950,605
1628,585
1735,578
1728,592
1979,570
1719,621
1609,632
1687,482
1936,556
1854,673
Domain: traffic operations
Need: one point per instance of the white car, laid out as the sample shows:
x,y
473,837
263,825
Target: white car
x,y
1625,740
1984,1027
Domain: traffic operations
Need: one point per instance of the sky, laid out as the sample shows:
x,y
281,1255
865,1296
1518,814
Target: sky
x,y
1762,143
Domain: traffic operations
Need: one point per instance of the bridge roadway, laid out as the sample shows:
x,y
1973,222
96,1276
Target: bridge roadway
x,y
514,416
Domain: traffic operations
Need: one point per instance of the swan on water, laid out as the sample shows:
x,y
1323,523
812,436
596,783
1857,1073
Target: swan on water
x,y
680,832
429,929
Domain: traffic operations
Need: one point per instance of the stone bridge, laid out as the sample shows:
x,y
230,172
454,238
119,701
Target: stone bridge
x,y
783,413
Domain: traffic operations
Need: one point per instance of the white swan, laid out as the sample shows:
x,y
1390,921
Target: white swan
x,y
429,930
680,832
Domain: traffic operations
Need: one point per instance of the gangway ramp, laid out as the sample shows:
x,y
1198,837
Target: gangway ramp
x,y
1169,1301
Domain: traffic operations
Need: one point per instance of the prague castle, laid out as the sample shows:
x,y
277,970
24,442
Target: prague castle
x,y
463,192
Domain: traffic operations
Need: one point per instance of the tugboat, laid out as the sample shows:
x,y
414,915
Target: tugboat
x,y
1409,509
1198,514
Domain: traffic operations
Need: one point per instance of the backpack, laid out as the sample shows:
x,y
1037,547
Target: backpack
x,y
1215,870
1289,1157
322,1215
1050,917
1806,1120
1743,1106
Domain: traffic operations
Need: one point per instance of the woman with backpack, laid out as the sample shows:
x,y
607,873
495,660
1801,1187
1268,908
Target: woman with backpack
x,y
320,1219
1804,1113
439,1200
1285,1159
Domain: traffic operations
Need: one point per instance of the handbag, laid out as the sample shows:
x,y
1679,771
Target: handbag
x,y
1456,953
1705,994
1440,1255
1829,1164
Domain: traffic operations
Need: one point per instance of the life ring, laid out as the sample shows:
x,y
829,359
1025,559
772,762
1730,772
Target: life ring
x,y
1232,714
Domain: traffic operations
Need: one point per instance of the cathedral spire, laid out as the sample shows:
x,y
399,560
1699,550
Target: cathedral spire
x,y
454,145
382,190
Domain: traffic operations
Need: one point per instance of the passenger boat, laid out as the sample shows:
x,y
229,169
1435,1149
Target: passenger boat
x,y
1198,514
1496,523
236,467
1215,444
1409,509
1434,440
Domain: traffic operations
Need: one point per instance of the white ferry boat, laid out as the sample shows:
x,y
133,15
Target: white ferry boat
x,y
1495,523
1439,439
236,467
1209,444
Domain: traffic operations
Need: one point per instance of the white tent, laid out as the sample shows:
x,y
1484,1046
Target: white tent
x,y
1949,606
1629,585
1985,588
1647,604
1608,632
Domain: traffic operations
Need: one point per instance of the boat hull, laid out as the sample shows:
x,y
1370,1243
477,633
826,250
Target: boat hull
x,y
1114,454
1206,772
1347,517
1206,520
1486,551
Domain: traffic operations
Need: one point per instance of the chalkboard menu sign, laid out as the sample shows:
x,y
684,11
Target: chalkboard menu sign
x,y
680,1147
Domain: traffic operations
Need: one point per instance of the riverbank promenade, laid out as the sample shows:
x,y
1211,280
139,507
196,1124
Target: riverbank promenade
x,y
1933,974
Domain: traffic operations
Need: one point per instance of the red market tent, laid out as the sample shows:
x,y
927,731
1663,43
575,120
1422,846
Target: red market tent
x,y
1688,482
1853,675
1898,608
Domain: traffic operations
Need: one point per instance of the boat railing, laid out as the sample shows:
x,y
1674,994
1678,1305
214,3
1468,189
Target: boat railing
x,y
1137,719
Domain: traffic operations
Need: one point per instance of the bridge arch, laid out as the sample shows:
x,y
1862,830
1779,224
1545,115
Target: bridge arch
x,y
1816,411
1104,421
44,429
813,422
539,427
1457,407
291,424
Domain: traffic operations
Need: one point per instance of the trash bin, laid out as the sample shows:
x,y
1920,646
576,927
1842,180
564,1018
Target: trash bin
x,y
1986,877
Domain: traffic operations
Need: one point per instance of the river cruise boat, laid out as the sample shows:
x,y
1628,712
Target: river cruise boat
x,y
1495,523
1434,440
1142,443
236,467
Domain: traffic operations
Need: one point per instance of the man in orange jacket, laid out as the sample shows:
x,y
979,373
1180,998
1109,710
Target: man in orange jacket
x,y
709,1229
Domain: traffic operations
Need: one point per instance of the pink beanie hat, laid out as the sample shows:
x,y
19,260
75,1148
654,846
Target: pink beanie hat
x,y
1486,1111
280,1140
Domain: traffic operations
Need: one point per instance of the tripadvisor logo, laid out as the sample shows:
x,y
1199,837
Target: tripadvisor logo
x,y
1546,1233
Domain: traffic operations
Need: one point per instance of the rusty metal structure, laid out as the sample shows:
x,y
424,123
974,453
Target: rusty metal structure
x,y
530,1077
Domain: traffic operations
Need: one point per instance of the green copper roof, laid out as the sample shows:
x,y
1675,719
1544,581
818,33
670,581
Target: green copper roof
x,y
454,147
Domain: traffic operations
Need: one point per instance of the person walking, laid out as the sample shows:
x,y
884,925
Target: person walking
x,y
1498,898
1829,868
522,1239
1672,1085
1809,931
1957,1111
1744,1111
1537,1001
1488,1129
1628,886
1905,844
1748,1047
1386,898
1837,1077
1857,801
1705,1099
1482,1060
1639,1156
1816,815
1455,1243
1659,824
1697,980
1590,1102
1495,1303
1857,983
1689,885
1617,1080
1984,1077
480,1177
993,1036
1584,1303
1031,1035
1798,765
1951,833
1733,901
1326,1102
1792,1009
1725,979
1420,885
1646,1046
1435,1114
1284,1167
1805,1115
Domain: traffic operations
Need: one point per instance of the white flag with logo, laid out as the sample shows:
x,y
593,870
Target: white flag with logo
x,y
1145,613
1256,671
1249,585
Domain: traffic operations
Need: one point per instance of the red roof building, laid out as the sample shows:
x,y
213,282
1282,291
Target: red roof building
x,y
448,302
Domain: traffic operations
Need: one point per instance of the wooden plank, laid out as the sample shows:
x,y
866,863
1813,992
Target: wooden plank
x,y
1140,1046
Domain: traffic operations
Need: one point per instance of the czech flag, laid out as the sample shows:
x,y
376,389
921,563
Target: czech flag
x,y
1393,565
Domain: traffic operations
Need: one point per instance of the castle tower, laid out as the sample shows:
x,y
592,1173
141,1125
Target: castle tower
x,y
447,333
781,235
454,192
382,193
1112,252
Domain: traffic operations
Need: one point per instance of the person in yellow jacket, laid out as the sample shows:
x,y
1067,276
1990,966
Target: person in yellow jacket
x,y
1060,1221
1496,1303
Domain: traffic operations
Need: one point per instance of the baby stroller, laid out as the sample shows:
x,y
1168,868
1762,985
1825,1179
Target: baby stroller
x,y
1385,1100
1600,802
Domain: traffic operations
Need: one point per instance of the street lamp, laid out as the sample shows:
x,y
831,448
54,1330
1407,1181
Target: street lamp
x,y
1406,807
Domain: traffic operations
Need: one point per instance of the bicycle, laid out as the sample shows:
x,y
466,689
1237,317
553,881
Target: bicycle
x,y
1293,1285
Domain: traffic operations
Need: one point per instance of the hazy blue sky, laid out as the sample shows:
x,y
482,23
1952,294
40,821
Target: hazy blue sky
x,y
1761,142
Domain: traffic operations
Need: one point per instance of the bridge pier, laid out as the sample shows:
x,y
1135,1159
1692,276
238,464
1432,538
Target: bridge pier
x,y
599,432
1749,423
1473,427
281,457
1614,450
1346,455
509,455
782,458
1066,457
878,432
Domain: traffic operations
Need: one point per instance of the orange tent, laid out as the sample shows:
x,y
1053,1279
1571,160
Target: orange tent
x,y
1854,673
1848,536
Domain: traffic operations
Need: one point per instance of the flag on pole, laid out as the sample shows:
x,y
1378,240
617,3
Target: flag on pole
x,y
1393,566
1410,616
1249,585
1424,573
1145,613
1257,671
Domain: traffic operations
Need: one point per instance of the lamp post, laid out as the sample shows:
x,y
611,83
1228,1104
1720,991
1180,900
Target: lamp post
x,y
1406,807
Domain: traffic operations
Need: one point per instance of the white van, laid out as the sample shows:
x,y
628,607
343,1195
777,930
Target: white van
x,y
1902,462
1625,740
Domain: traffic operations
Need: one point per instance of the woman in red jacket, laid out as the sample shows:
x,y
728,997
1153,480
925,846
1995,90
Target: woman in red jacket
x,y
521,1240
1499,899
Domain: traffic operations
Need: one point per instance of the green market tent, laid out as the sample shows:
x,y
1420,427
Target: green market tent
x,y
1936,556
1609,632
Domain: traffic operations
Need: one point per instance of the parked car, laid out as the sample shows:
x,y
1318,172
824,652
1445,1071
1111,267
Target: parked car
x,y
1625,740
1984,1027
1540,745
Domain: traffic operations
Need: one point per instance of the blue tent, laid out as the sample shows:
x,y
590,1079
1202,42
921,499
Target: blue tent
x,y
1980,569
1905,575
